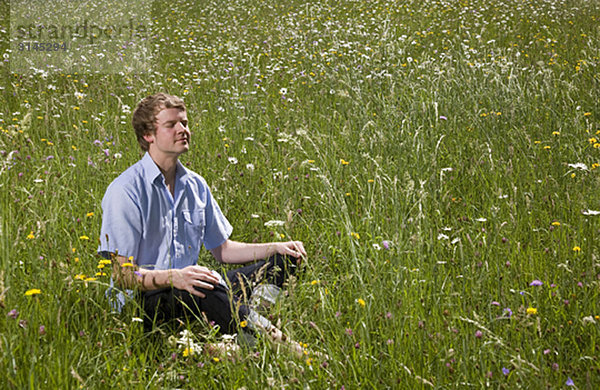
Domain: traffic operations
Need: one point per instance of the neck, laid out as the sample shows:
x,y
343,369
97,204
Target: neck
x,y
167,166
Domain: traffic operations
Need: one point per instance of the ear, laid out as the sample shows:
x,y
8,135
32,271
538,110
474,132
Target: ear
x,y
149,138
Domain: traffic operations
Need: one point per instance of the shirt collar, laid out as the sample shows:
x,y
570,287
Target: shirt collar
x,y
152,172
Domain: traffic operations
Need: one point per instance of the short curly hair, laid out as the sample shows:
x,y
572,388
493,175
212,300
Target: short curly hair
x,y
144,116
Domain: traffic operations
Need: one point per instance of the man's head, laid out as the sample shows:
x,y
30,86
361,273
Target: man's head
x,y
144,116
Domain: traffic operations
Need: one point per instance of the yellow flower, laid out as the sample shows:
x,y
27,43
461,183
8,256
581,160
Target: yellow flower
x,y
344,162
90,214
355,235
33,291
314,282
244,324
80,276
361,302
127,265
370,181
187,352
592,140
30,236
547,147
531,310
130,258
84,238
89,279
100,266
308,361
555,223
576,249
555,133
216,359
105,262
587,113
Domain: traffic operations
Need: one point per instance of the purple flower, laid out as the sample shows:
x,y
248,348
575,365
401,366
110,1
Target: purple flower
x,y
536,283
49,158
42,330
386,244
443,117
478,334
505,371
13,314
570,382
388,315
349,332
495,303
546,351
508,312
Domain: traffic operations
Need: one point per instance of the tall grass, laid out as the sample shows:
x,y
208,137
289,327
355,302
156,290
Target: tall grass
x,y
436,158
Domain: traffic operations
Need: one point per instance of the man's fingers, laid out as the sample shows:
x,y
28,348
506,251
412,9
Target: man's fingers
x,y
196,292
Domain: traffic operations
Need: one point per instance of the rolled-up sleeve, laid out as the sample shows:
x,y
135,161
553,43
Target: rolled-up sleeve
x,y
121,223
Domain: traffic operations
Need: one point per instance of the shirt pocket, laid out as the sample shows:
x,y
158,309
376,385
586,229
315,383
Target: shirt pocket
x,y
194,226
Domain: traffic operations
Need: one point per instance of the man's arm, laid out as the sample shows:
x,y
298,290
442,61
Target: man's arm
x,y
130,276
234,252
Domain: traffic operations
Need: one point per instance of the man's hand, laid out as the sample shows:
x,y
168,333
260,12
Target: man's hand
x,y
291,248
194,276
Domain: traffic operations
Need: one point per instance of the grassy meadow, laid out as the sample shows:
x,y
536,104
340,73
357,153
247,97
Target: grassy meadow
x,y
440,160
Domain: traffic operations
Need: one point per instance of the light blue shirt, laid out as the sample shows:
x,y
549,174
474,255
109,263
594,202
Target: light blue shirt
x,y
160,231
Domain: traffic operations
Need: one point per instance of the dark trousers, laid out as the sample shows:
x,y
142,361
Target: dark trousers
x,y
223,302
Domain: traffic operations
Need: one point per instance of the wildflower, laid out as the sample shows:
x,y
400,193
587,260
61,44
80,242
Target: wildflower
x,y
127,265
505,371
216,359
80,276
344,162
555,223
42,330
376,247
13,314
104,261
532,310
508,312
33,291
576,249
30,236
314,282
555,133
569,382
274,223
386,244
355,235
84,238
361,302
244,324
495,303
536,283
478,334
590,212
90,214
349,332
187,352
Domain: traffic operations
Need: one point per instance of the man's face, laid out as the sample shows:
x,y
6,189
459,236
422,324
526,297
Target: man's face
x,y
172,136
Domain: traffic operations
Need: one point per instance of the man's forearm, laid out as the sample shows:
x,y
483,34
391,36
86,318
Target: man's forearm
x,y
132,277
233,252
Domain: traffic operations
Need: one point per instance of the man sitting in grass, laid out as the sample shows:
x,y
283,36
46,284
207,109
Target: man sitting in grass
x,y
156,217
